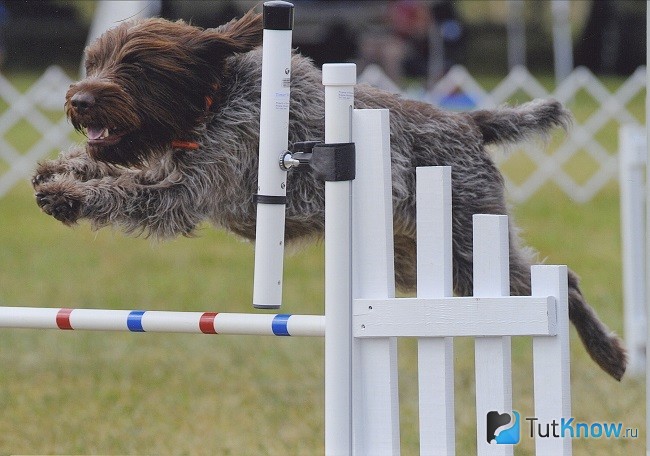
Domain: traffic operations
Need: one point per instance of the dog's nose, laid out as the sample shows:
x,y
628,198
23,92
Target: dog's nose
x,y
82,101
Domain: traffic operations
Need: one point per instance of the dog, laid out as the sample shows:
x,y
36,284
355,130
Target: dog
x,y
171,113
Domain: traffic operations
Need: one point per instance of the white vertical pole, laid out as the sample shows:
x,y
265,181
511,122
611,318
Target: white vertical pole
x,y
647,189
551,364
375,379
562,43
492,354
516,29
436,66
631,168
110,13
274,137
339,81
435,280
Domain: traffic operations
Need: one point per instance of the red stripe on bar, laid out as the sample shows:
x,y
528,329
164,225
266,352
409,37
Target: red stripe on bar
x,y
63,319
206,323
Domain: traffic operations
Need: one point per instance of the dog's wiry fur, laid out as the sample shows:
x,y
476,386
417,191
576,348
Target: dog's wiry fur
x,y
148,81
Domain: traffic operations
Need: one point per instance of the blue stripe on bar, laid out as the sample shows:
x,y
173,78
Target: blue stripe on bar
x,y
279,325
134,321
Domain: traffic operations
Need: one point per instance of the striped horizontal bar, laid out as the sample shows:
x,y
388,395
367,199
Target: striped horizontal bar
x,y
455,317
162,321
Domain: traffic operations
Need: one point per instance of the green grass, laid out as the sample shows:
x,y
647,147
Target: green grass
x,y
115,393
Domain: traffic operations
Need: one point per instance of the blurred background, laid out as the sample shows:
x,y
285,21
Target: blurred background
x,y
607,36
578,198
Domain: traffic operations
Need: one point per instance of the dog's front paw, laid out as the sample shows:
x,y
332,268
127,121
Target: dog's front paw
x,y
62,200
45,172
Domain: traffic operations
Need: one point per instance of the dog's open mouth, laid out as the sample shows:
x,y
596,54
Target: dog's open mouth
x,y
102,136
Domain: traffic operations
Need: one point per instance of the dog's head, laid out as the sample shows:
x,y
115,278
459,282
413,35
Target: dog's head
x,y
151,82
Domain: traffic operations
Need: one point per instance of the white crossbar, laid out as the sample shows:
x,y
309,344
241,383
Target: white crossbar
x,y
162,321
454,317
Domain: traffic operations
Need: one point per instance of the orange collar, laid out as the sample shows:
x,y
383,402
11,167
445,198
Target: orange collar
x,y
192,145
186,145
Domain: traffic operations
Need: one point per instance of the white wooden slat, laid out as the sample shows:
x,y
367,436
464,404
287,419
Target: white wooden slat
x,y
375,397
374,384
434,232
435,279
374,270
492,354
551,365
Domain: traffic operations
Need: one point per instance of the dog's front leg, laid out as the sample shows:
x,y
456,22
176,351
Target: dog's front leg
x,y
75,162
162,209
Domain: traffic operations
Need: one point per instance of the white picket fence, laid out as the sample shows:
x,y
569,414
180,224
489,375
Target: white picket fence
x,y
583,140
632,171
41,108
362,405
47,94
434,317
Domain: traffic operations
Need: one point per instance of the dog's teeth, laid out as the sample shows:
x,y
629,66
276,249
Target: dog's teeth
x,y
104,133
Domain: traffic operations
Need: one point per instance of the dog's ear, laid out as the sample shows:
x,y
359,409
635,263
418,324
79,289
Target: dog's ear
x,y
246,31
238,35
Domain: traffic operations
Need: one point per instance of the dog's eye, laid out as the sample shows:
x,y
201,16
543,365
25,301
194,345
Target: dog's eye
x,y
90,64
137,67
132,69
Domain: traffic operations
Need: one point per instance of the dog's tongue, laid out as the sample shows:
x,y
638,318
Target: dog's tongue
x,y
94,132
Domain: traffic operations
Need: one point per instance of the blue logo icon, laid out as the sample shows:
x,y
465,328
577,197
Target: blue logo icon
x,y
503,428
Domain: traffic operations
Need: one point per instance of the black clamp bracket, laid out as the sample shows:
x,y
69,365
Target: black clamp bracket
x,y
329,162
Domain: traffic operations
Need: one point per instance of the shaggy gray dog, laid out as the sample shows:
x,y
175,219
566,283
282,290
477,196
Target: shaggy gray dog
x,y
171,113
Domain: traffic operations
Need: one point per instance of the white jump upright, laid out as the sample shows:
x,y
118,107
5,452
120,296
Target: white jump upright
x,y
339,81
363,318
274,137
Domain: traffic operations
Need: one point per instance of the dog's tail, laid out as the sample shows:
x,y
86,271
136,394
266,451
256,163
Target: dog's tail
x,y
604,347
511,124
